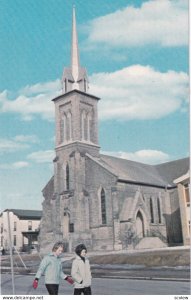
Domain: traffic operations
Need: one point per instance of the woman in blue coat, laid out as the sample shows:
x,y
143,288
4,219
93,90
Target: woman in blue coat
x,y
51,266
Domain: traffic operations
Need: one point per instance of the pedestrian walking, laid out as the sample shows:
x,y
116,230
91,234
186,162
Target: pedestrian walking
x,y
81,272
51,266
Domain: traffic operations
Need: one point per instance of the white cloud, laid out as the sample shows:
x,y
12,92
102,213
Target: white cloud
x,y
14,166
147,156
41,88
20,164
42,156
27,138
139,92
17,143
32,101
135,92
160,22
7,145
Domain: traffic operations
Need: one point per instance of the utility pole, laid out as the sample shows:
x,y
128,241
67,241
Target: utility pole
x,y
11,253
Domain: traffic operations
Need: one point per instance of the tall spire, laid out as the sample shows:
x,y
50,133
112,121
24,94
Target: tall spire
x,y
74,77
75,63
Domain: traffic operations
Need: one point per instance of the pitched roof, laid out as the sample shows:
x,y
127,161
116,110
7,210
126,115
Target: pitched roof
x,y
132,171
68,74
173,169
26,214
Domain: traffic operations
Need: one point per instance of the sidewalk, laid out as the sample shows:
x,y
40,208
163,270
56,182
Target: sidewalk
x,y
156,264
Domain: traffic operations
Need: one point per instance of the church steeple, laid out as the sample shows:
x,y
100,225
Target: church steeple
x,y
75,62
75,76
75,109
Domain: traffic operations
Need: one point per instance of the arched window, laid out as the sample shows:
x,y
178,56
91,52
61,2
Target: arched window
x,y
89,121
159,210
139,225
151,210
63,128
68,227
69,127
103,207
67,177
84,124
86,128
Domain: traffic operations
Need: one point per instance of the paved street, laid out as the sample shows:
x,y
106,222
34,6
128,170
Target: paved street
x,y
100,286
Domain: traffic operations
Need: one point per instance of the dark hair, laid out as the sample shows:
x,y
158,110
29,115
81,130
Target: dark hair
x,y
79,249
57,245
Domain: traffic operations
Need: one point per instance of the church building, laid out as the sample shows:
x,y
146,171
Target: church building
x,y
102,201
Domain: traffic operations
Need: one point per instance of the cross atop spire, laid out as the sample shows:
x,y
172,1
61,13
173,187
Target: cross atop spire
x,y
74,77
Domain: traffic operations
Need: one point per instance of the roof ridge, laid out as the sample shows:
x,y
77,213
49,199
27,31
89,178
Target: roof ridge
x,y
134,161
171,161
19,209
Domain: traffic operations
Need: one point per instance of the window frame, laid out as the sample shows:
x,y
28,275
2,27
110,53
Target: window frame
x,y
103,207
29,225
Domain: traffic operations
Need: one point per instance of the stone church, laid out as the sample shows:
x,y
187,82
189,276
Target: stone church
x,y
106,202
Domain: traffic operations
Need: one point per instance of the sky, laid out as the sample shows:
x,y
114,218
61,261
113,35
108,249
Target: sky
x,y
136,56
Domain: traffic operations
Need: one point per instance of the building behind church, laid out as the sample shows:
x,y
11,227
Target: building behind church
x,y
106,202
22,226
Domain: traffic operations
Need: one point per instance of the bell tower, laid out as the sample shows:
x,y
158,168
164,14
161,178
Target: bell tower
x,y
76,110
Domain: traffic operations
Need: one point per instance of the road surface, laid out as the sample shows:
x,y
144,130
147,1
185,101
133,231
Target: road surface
x,y
100,286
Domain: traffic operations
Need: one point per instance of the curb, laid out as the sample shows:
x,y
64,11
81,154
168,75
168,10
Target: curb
x,y
118,277
144,278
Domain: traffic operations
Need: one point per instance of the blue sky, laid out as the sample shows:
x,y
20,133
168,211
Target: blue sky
x,y
136,55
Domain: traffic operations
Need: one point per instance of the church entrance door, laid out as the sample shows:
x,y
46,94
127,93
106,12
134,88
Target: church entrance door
x,y
139,225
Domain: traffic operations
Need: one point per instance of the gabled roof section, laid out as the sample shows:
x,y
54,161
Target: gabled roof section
x,y
174,169
132,171
82,74
49,183
24,214
157,175
102,164
68,74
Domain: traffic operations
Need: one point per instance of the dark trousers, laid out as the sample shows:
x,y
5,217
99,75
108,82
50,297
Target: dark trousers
x,y
85,291
52,289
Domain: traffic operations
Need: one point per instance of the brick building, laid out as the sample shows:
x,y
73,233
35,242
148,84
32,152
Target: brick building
x,y
106,202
